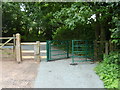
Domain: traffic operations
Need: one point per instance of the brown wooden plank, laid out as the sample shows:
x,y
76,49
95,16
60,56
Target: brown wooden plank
x,y
27,43
43,56
6,37
25,57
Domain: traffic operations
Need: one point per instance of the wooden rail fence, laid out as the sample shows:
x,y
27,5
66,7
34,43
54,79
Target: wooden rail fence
x,y
36,51
103,47
18,50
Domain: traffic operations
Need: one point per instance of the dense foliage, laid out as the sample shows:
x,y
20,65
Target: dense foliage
x,y
46,21
74,22
109,69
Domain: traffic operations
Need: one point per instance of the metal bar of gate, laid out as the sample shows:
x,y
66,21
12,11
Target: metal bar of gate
x,y
67,49
47,47
72,51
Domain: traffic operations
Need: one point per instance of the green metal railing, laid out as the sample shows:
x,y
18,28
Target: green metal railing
x,y
82,50
57,49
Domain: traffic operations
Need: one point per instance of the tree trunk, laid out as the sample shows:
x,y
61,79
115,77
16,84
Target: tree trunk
x,y
102,33
97,28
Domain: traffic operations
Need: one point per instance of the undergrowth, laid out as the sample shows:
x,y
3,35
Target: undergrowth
x,y
108,70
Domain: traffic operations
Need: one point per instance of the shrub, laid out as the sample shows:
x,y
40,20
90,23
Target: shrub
x,y
108,70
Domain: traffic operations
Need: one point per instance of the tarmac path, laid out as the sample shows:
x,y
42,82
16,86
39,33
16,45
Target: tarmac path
x,y
60,74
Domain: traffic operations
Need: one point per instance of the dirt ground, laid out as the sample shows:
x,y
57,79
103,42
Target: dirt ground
x,y
16,75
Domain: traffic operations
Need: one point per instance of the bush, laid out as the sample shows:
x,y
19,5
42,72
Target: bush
x,y
108,70
112,58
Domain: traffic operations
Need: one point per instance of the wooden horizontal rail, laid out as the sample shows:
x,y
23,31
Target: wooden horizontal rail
x,y
24,57
32,43
27,57
7,43
28,51
43,51
43,56
6,37
101,41
43,43
25,43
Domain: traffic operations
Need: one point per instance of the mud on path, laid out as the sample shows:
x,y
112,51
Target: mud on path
x,y
16,75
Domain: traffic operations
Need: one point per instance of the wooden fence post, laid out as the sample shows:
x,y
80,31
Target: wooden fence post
x,y
14,43
18,48
37,51
106,48
95,50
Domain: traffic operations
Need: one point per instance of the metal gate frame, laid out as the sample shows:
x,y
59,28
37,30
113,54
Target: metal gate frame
x,y
80,49
57,43
83,47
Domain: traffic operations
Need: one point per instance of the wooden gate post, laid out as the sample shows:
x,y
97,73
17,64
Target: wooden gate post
x,y
37,51
14,43
18,48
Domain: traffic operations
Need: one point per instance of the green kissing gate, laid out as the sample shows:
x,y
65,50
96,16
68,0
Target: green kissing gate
x,y
78,50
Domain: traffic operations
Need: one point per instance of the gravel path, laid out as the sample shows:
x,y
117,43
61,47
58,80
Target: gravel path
x,y
60,74
14,75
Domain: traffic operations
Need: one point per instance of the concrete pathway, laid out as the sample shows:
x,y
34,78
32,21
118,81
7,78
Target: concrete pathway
x,y
60,74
